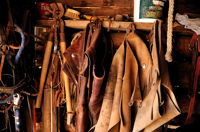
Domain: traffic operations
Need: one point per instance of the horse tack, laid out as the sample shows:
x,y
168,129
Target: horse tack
x,y
16,88
2,41
195,45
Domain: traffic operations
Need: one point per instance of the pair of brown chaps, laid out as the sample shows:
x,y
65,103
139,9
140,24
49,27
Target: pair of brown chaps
x,y
87,64
138,93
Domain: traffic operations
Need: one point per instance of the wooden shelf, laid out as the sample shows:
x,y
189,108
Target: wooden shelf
x,y
115,25
81,24
181,30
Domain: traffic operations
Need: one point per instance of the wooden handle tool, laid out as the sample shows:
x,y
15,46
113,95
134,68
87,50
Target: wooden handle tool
x,y
44,69
65,77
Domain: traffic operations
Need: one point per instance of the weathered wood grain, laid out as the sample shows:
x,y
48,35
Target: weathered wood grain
x,y
93,3
181,45
187,6
105,11
180,74
115,25
99,7
181,6
184,100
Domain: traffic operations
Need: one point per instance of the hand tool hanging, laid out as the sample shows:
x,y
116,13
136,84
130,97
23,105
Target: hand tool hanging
x,y
49,111
45,65
63,44
65,77
46,62
51,122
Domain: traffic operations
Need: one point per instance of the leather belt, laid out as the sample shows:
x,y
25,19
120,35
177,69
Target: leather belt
x,y
195,40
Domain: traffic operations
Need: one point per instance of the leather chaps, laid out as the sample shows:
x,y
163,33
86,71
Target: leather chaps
x,y
133,94
87,64
138,87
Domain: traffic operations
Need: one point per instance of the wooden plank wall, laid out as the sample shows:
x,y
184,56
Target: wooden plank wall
x,y
180,68
187,6
113,7
100,7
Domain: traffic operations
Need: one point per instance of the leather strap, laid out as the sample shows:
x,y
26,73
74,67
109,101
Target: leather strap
x,y
2,63
149,36
193,40
9,33
3,42
129,29
24,20
196,75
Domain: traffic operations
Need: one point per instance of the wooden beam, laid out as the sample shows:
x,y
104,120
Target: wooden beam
x,y
94,3
115,25
81,24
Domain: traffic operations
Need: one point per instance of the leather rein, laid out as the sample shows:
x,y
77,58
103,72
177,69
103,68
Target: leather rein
x,y
195,46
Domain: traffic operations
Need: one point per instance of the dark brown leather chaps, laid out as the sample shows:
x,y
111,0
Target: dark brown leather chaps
x,y
88,62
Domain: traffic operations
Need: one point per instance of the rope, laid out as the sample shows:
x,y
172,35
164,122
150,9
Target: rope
x,y
168,55
22,43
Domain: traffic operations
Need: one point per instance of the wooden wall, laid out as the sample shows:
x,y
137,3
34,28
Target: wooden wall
x,y
182,65
100,7
113,7
187,6
180,68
